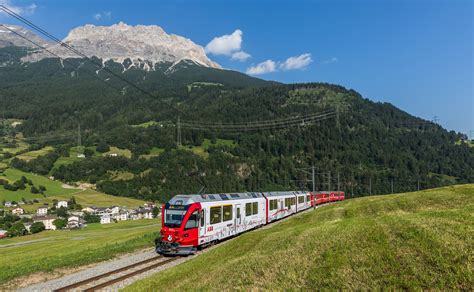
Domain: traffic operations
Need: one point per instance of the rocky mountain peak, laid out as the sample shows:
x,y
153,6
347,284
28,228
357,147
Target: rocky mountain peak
x,y
148,44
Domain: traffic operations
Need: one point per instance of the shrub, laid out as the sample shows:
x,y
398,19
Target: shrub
x,y
37,227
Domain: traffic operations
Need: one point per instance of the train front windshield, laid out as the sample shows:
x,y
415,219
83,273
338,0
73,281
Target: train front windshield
x,y
174,218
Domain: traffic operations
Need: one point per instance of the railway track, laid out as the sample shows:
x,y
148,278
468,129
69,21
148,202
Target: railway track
x,y
96,283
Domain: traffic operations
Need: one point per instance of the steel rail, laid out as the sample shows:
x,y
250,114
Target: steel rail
x,y
129,275
95,278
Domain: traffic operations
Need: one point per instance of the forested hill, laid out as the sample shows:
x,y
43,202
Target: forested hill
x,y
361,147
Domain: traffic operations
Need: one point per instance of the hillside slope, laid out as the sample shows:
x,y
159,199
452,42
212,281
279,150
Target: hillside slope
x,y
412,240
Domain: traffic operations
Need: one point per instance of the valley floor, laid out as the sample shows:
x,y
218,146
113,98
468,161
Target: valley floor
x,y
403,241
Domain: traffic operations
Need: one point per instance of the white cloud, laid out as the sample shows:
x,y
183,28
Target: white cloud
x,y
105,15
329,61
296,62
225,45
240,56
265,67
21,10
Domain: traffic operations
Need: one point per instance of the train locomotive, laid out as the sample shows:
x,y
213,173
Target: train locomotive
x,y
191,222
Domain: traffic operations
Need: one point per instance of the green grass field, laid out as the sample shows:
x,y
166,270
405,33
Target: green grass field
x,y
19,147
155,151
50,250
147,124
53,188
421,240
202,150
34,154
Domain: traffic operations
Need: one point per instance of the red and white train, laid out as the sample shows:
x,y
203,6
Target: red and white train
x,y
190,222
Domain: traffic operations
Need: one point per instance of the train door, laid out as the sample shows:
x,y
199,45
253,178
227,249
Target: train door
x,y
202,222
238,218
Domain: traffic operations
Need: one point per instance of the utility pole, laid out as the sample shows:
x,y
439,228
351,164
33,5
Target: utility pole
x,y
370,186
435,119
79,140
352,189
338,182
391,184
418,184
329,181
178,142
314,182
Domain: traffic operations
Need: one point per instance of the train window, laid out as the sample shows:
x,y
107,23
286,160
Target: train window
x,y
216,215
273,204
301,200
212,197
248,209
203,218
255,208
235,196
308,198
227,213
293,201
192,221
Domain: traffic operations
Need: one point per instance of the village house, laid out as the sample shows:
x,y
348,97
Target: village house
x,y
133,215
61,204
145,213
122,215
3,234
42,211
150,205
89,210
105,219
75,222
47,220
9,204
113,210
18,211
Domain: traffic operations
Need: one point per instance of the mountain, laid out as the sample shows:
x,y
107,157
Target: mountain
x,y
140,44
9,38
367,148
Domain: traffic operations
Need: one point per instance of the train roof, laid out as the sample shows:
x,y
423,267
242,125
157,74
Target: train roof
x,y
276,194
198,198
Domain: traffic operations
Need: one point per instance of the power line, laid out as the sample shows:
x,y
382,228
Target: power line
x,y
257,126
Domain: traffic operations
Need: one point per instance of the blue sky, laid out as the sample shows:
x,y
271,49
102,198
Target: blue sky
x,y
416,54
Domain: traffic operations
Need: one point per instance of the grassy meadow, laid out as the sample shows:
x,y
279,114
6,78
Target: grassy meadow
x,y
53,188
420,240
50,250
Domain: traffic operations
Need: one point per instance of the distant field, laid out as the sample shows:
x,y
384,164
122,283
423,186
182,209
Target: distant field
x,y
155,151
120,152
421,240
73,153
34,154
50,250
53,188
20,147
202,150
146,124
